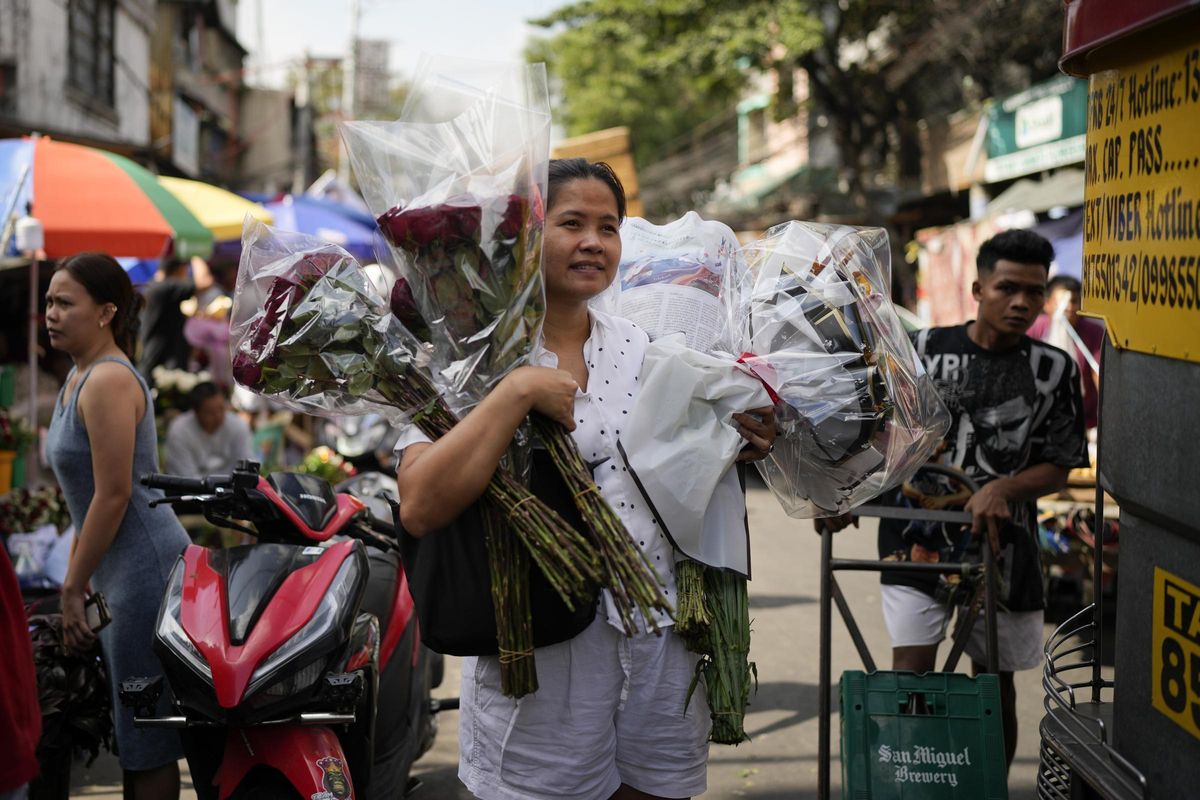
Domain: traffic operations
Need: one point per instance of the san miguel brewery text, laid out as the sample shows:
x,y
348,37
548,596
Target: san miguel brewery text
x,y
909,763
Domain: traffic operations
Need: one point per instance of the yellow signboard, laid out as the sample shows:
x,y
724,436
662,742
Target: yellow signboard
x,y
1141,246
1175,660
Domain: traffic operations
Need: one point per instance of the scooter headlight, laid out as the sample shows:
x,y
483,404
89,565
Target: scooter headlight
x,y
330,615
170,631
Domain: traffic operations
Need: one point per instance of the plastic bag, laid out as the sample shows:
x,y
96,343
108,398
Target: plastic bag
x,y
856,412
310,330
457,186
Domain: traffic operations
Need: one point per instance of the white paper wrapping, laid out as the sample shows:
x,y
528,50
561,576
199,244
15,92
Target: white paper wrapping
x,y
681,444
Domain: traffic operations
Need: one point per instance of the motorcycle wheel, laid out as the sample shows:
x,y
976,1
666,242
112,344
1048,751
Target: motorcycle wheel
x,y
265,784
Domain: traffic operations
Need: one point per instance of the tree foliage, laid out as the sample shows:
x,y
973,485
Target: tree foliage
x,y
875,69
661,66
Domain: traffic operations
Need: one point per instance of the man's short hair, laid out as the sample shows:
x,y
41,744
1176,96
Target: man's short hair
x,y
203,391
1018,246
1072,285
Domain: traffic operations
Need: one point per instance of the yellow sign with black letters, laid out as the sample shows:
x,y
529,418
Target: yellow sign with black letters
x,y
1175,662
1141,240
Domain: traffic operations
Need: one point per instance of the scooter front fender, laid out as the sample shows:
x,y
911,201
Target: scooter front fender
x,y
309,757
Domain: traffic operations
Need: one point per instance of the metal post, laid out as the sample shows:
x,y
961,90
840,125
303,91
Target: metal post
x,y
1098,545
349,68
848,617
33,458
823,754
989,595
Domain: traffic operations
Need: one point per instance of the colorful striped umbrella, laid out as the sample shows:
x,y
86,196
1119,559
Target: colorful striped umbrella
x,y
221,211
89,199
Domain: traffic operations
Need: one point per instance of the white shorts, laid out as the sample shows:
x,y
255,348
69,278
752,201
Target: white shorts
x,y
913,618
608,710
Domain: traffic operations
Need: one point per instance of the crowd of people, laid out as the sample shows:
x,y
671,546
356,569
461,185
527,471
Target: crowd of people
x,y
607,720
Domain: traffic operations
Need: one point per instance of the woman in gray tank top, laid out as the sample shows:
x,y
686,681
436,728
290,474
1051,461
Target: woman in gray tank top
x,y
101,439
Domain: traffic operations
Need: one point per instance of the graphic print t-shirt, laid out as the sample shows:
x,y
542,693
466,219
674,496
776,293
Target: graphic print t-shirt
x,y
1009,410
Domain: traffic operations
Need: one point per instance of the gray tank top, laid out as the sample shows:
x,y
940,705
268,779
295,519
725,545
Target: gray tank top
x,y
153,533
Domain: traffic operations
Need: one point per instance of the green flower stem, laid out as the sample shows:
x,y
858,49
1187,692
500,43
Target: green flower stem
x,y
563,555
508,563
692,620
724,644
626,571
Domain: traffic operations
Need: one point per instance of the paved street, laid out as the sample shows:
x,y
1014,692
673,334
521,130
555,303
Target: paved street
x,y
781,760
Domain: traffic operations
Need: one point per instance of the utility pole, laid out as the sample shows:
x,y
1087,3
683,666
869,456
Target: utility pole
x,y
348,79
302,136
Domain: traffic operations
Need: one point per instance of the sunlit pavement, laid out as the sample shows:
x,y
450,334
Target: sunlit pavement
x,y
780,761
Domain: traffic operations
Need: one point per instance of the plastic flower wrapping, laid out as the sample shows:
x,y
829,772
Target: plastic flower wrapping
x,y
457,185
808,321
855,410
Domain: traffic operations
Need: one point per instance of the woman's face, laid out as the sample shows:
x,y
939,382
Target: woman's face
x,y
73,318
582,246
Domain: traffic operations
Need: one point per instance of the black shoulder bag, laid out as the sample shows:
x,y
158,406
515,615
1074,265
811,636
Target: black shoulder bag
x,y
452,588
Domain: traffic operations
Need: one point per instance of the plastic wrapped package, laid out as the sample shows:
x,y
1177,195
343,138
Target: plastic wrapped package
x,y
856,412
457,186
311,331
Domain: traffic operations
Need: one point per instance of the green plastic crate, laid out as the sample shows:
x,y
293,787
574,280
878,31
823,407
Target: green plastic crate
x,y
931,736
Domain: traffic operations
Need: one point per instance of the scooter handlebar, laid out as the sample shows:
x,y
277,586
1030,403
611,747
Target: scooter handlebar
x,y
178,484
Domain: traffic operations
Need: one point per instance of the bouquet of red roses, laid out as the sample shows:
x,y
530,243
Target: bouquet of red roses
x,y
311,332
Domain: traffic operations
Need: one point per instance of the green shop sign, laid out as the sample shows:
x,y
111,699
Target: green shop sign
x,y
1041,128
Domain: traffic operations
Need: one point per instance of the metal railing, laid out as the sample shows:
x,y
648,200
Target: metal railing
x,y
1078,705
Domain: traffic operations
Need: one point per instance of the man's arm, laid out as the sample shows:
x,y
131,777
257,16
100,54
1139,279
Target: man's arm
x,y
989,507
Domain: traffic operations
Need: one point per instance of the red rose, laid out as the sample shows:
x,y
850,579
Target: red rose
x,y
464,220
281,296
421,228
514,218
246,370
404,307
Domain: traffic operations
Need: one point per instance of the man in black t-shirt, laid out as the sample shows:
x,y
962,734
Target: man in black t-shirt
x,y
163,342
1017,430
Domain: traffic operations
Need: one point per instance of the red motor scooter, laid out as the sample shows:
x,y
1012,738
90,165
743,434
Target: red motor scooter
x,y
295,663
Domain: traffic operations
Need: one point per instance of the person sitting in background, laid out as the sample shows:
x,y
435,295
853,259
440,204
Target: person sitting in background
x,y
1064,292
209,438
163,342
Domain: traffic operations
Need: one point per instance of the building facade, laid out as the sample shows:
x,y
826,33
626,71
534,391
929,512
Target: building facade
x,y
77,70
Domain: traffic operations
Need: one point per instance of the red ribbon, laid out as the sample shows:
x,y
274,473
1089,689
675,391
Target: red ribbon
x,y
763,372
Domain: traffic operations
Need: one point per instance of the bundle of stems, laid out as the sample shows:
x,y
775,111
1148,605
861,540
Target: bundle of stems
x,y
508,562
563,555
692,620
720,631
625,570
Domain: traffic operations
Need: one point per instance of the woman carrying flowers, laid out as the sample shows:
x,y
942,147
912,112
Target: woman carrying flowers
x,y
608,719
101,437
